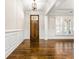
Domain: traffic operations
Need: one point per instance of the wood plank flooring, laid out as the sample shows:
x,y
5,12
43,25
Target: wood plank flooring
x,y
50,49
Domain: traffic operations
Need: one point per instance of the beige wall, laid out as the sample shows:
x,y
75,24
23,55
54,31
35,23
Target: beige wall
x,y
14,22
14,15
19,15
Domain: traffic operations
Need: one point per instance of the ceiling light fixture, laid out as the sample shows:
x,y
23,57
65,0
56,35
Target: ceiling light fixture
x,y
34,8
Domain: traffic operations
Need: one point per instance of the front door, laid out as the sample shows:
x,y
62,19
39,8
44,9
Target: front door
x,y
34,30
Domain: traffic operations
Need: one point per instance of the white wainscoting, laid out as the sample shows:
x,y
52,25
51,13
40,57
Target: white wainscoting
x,y
12,39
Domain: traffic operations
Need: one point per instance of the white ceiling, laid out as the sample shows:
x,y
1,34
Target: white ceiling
x,y
66,4
63,7
59,6
40,4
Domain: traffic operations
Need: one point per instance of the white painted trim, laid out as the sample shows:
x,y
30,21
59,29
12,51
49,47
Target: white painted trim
x,y
61,37
12,48
53,5
13,30
46,27
50,7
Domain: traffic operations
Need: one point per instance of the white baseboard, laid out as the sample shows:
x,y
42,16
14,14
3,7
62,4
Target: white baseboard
x,y
12,48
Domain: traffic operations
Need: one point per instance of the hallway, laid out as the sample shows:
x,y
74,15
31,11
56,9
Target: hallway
x,y
52,49
39,29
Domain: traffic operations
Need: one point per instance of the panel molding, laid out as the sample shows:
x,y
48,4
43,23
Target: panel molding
x,y
13,30
13,39
10,50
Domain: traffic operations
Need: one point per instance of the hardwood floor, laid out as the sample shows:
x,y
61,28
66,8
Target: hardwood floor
x,y
50,49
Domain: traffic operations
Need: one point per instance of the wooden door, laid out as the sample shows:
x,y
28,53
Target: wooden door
x,y
34,30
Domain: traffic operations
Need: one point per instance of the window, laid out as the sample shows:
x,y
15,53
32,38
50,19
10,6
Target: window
x,y
59,25
64,25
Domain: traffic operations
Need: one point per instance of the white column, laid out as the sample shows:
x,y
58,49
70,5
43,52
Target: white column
x,y
46,27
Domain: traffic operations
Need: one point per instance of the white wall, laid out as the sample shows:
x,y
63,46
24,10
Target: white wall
x,y
12,40
14,23
27,26
41,25
51,28
19,15
10,14
14,14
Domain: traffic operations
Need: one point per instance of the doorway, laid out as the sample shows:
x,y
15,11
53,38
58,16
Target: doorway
x,y
34,30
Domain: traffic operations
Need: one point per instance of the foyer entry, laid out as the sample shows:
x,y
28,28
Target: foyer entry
x,y
34,31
